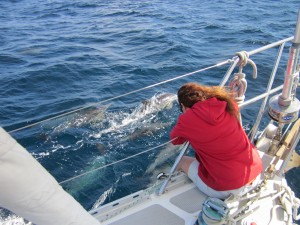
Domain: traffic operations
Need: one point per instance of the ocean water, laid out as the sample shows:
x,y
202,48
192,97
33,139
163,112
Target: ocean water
x,y
59,56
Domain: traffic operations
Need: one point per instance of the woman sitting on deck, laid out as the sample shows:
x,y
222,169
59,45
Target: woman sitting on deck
x,y
226,161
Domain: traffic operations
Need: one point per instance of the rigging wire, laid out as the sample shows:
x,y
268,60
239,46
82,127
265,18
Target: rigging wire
x,y
123,95
233,60
118,161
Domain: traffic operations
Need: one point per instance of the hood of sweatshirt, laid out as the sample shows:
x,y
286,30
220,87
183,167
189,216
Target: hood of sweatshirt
x,y
211,110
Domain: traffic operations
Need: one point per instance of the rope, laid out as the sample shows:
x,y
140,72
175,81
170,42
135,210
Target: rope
x,y
123,95
118,161
244,60
255,201
238,85
293,200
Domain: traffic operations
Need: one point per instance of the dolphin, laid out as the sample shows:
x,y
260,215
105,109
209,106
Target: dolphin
x,y
140,114
103,197
146,130
168,153
34,50
81,184
157,103
138,121
153,105
95,114
89,116
150,106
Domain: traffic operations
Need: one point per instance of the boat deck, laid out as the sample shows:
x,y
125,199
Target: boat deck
x,y
179,205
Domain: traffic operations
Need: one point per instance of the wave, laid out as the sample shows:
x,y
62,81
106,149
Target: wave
x,y
9,218
60,55
11,60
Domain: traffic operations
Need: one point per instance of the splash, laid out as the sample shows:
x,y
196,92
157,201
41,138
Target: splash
x,y
103,197
142,115
14,220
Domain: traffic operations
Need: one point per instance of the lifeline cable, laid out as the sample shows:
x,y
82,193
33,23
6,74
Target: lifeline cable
x,y
233,60
118,161
123,95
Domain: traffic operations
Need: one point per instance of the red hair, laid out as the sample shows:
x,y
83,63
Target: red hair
x,y
190,93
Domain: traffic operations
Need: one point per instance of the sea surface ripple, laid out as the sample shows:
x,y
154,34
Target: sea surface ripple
x,y
57,56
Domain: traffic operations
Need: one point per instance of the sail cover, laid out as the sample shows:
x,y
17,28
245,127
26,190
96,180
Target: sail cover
x,y
28,190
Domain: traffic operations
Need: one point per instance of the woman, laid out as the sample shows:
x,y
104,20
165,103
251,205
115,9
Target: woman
x,y
226,162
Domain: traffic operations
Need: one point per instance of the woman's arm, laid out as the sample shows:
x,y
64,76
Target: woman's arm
x,y
176,134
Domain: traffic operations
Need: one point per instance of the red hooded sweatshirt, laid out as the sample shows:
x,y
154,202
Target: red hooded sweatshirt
x,y
228,160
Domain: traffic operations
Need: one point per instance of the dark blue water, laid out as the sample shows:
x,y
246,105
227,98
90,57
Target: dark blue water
x,y
58,56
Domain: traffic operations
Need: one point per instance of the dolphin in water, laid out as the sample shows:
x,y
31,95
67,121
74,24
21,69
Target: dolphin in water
x,y
141,114
95,114
136,121
146,130
148,107
157,103
94,171
168,153
89,116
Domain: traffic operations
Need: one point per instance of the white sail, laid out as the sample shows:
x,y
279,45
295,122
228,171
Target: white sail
x,y
28,190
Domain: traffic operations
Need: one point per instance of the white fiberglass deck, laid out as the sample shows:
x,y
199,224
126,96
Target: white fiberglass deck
x,y
179,205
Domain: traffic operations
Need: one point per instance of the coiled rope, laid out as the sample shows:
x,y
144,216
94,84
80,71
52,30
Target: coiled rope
x,y
244,60
238,83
